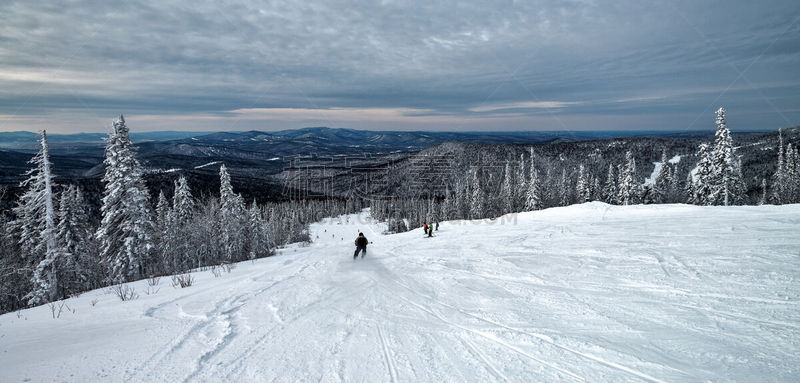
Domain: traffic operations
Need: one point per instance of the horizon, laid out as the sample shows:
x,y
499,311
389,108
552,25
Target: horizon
x,y
630,132
455,67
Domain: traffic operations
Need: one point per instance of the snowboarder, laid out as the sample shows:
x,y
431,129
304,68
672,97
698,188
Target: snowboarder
x,y
361,245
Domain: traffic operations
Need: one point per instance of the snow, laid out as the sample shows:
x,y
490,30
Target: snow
x,y
588,293
657,169
652,178
208,164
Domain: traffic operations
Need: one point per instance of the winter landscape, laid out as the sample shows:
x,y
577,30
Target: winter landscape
x,y
399,192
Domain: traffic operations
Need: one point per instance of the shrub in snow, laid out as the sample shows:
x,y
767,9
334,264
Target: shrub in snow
x,y
182,280
124,292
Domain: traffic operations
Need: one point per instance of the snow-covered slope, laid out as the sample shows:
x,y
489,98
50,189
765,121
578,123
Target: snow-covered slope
x,y
584,293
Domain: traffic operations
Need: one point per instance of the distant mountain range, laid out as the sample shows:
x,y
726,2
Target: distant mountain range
x,y
319,139
262,164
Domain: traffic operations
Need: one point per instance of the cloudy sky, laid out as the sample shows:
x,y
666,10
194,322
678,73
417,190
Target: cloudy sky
x,y
71,66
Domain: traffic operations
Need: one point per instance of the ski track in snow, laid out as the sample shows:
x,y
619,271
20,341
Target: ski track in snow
x,y
579,294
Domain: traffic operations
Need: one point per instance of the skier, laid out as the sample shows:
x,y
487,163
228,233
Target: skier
x,y
425,227
361,245
437,225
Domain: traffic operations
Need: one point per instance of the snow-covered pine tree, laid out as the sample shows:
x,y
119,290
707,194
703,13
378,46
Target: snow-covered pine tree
x,y
597,192
533,195
792,178
725,177
583,188
661,183
610,191
35,226
628,188
779,179
126,228
182,202
476,208
702,190
563,189
78,270
675,192
521,186
258,238
507,195
162,212
763,199
231,214
461,203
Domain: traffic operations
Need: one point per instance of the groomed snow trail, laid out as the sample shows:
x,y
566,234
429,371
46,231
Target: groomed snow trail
x,y
586,293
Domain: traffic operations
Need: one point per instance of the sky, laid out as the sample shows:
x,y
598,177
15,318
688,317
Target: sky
x,y
197,65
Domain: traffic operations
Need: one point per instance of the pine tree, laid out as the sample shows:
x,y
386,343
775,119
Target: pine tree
x,y
507,195
628,188
702,190
522,185
162,212
232,209
791,180
35,225
661,182
77,268
779,179
182,202
126,229
675,194
763,199
583,188
564,189
533,196
477,202
727,185
610,191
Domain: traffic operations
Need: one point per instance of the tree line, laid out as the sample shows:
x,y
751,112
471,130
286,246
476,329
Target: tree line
x,y
50,248
533,182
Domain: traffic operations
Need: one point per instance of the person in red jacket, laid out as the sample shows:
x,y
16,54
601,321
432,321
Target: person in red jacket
x,y
361,245
425,227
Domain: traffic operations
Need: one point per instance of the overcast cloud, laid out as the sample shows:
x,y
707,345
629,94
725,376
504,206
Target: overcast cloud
x,y
424,65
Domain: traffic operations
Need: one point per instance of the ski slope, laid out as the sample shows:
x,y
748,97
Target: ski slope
x,y
587,293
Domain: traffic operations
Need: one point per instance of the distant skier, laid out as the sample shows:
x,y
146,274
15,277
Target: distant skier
x,y
430,231
437,225
361,245
425,227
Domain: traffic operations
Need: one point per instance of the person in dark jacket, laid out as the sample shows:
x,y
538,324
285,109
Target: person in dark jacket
x,y
361,245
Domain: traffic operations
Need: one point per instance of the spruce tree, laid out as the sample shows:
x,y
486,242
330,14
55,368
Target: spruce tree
x,y
78,268
727,185
628,188
35,227
182,202
477,202
702,189
507,195
583,187
779,179
661,182
533,196
126,228
610,191
232,208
